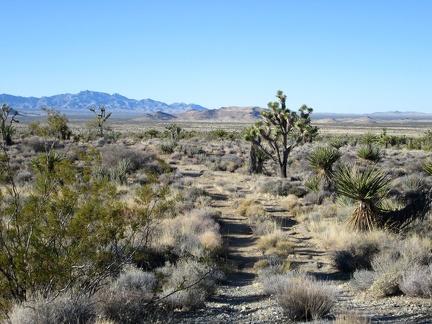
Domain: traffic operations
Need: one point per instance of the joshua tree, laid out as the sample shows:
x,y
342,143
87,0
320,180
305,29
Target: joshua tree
x,y
101,118
6,122
173,131
368,188
280,131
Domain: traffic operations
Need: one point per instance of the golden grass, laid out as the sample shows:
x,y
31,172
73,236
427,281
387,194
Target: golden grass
x,y
251,207
277,243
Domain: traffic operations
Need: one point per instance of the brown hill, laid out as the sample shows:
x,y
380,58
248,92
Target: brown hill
x,y
362,121
224,114
326,121
156,116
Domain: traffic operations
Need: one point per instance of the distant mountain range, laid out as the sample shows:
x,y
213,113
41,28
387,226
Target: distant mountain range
x,y
152,110
80,102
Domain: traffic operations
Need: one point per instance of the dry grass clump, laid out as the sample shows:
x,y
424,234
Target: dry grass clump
x,y
262,225
276,242
251,207
194,233
290,202
301,296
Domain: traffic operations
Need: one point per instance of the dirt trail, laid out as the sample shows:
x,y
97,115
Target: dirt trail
x,y
240,299
240,243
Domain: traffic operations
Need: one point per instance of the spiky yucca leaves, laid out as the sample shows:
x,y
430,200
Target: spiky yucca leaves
x,y
427,167
369,153
367,188
322,160
368,139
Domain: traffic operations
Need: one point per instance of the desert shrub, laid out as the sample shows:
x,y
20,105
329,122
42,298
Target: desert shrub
x,y
132,279
413,182
362,279
297,191
358,256
190,197
37,144
188,283
251,207
417,281
301,296
226,162
116,173
273,281
167,147
195,233
392,263
273,186
127,299
191,150
135,160
63,309
23,177
111,136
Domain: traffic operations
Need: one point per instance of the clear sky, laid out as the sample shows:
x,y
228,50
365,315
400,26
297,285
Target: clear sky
x,y
332,55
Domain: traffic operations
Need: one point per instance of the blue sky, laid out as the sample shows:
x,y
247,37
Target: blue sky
x,y
333,55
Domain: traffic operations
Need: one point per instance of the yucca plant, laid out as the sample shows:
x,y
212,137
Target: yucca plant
x,y
368,188
427,167
338,142
369,153
368,139
322,160
313,184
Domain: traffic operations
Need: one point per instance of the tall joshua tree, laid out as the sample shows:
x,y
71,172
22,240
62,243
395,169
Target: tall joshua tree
x,y
101,118
280,131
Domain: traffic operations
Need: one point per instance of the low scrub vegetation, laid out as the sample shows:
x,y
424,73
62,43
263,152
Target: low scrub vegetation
x,y
98,225
301,296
